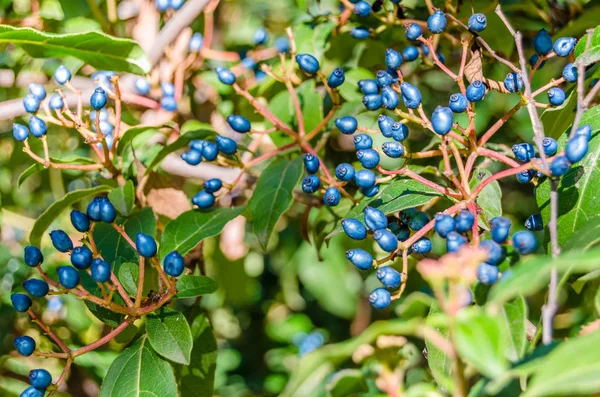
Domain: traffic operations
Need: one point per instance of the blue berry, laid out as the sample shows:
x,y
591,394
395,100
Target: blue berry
x,y
372,102
411,96
31,103
311,163
441,57
577,148
21,302
38,91
249,63
500,229
421,246
33,256
487,274
389,98
100,270
475,91
167,89
380,298
444,224
413,32
524,242
374,218
56,102
80,221
360,32
362,9
40,378
310,343
386,240
393,149
458,103
212,185
98,99
197,144
174,264
534,222
20,132
61,241
226,145
550,146
368,87
454,241
442,120
311,184
62,74
81,257
523,151
410,53
33,392
542,43
347,124
332,196
564,45
362,141
196,42
570,73
238,123
142,86
25,345
203,199
513,82
559,166
225,75
37,126
210,151
344,172
307,63
400,230
368,158
192,157
495,252
383,78
418,220
336,78
354,228
436,23
477,22
393,59
385,125
261,36
365,179
464,221
533,60
68,276
360,258
102,115
525,176
168,103
145,245
389,277
36,288
282,44
425,50
107,211
176,4
370,191
585,130
399,131
556,96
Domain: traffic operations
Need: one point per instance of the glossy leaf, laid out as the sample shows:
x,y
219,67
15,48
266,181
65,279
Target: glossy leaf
x,y
557,119
192,286
594,49
129,135
128,276
170,335
347,382
123,198
587,236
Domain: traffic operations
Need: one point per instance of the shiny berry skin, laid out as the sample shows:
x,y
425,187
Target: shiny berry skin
x,y
374,218
400,230
311,184
33,256
513,82
372,102
542,43
176,4
38,91
436,23
534,222
386,240
36,288
40,378
145,245
368,87
282,44
477,22
212,185
225,75
31,103
62,74
523,151
61,241
336,78
389,277
81,257
564,45
425,50
21,302
260,36
168,103
550,146
174,264
475,91
393,150
142,86
20,132
399,131
332,196
464,221
418,220
556,96
389,98
385,125
192,157
360,258
167,89
495,252
203,199
368,158
344,172
383,79
585,130
487,274
360,32
393,59
33,392
421,246
577,148
500,229
37,127
196,42
380,298
413,32
25,345
354,228
238,123
370,191
307,63
100,270
80,221
226,145
210,151
347,125
362,141
68,276
107,211
410,53
98,99
311,163
525,176
442,120
560,165
458,103
524,242
362,9
411,96
569,73
56,102
365,179
444,224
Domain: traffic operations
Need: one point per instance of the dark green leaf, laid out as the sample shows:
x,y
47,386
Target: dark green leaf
x,y
128,276
311,104
123,198
131,133
594,49
347,382
513,321
191,286
170,335
557,119
586,237
490,198
37,167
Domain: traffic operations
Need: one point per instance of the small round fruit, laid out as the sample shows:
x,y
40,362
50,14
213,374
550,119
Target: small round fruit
x,y
31,103
524,242
418,220
365,179
393,59
370,191
25,345
345,172
168,103
444,224
464,221
311,184
442,120
33,256
525,176
564,45
108,213
100,270
142,86
577,148
145,245
399,131
226,145
33,392
421,246
550,146
20,132
80,221
311,163
413,32
372,102
570,73
210,151
556,96
410,53
454,241
385,125
174,264
559,166
389,98
347,125
542,43
386,240
21,302
374,218
477,22
368,87
383,78
225,75
500,229
196,42
336,78
475,91
495,252
203,199
212,185
332,196
362,141
192,157
37,126
436,23
458,103
98,99
360,32
411,96
513,82
354,228
81,257
523,151
307,63
261,36
62,74
40,378
368,158
362,9
380,298
393,149
239,123
534,222
389,277
38,91
68,276
487,274
56,102
585,130
360,258
61,241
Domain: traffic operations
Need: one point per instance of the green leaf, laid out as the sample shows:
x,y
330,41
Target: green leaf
x,y
191,227
347,382
170,335
577,190
313,38
513,322
107,316
191,286
557,119
55,209
94,48
139,371
311,104
128,276
197,378
586,237
273,196
597,301
594,49
439,362
490,198
570,369
37,167
480,341
130,134
533,274
123,198
399,195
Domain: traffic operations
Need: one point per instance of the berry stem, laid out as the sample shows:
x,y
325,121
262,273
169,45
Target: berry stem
x,y
140,286
104,340
497,156
48,331
499,123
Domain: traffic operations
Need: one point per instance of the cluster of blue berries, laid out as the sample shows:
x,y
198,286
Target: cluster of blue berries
x,y
164,5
